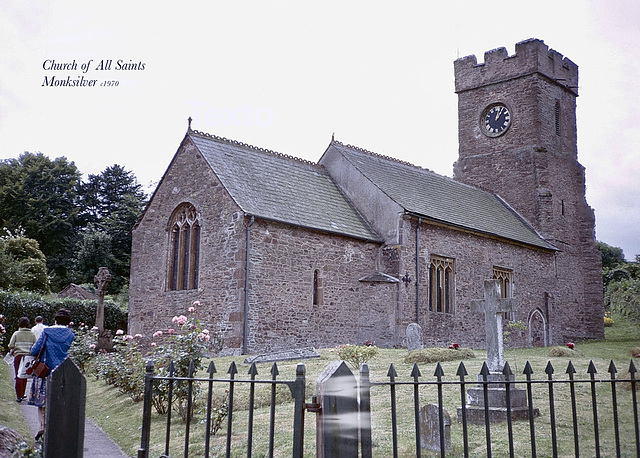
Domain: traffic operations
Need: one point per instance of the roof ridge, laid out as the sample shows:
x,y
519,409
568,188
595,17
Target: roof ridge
x,y
382,156
251,147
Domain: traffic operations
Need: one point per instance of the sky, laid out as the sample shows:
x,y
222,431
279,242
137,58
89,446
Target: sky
x,y
287,75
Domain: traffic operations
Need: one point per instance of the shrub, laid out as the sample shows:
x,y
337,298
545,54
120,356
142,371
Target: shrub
x,y
356,355
563,352
15,305
435,355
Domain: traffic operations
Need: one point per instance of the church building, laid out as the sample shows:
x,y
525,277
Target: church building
x,y
284,253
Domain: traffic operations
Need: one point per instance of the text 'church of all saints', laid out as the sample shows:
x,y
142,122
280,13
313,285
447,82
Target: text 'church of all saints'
x,y
283,253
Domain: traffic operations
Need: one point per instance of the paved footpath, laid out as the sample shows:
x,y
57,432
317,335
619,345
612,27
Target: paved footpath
x,y
96,442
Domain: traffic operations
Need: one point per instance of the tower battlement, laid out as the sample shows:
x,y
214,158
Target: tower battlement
x,y
531,56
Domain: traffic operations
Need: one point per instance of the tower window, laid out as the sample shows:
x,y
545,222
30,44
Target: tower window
x,y
184,246
441,284
557,114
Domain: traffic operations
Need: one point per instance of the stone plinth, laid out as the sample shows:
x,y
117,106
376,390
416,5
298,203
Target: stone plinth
x,y
497,399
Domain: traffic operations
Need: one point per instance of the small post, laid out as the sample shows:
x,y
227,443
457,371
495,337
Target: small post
x,y
143,451
66,399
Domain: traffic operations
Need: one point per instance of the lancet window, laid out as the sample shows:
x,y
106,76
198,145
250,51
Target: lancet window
x,y
441,284
184,248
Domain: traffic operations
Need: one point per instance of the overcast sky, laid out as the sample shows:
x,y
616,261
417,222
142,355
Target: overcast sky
x,y
287,75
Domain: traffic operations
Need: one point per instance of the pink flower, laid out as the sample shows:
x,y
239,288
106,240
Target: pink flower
x,y
171,331
71,323
570,345
454,346
138,336
157,334
203,336
196,303
205,331
119,332
153,344
191,309
95,328
127,337
179,320
92,346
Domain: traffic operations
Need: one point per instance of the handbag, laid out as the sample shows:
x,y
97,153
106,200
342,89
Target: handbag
x,y
38,367
25,364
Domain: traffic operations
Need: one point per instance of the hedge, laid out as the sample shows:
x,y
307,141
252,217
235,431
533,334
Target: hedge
x,y
16,305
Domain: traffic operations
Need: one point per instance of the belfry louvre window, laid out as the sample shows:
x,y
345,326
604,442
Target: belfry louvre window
x,y
441,284
505,280
184,246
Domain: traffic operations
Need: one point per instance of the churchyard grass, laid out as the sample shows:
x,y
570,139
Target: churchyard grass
x,y
121,418
10,412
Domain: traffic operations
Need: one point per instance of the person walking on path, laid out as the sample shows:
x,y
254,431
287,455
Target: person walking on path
x,y
20,345
56,348
39,327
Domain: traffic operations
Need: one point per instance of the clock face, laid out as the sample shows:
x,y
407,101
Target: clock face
x,y
495,120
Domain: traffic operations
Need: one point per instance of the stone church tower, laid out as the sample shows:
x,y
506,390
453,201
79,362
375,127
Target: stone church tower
x,y
517,138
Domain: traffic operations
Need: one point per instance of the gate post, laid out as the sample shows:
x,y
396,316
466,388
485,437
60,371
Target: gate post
x,y
143,451
337,423
66,400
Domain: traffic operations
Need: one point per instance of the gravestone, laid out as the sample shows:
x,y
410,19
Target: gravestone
x,y
337,424
285,355
414,337
105,339
430,428
494,306
65,406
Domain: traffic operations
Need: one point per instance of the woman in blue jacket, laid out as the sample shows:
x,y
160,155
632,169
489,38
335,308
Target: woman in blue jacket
x,y
57,340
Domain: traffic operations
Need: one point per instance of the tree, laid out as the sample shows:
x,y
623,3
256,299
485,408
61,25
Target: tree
x,y
93,251
22,265
611,256
39,196
112,202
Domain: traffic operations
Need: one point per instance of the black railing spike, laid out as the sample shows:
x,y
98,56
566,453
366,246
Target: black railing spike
x,y
171,369
253,370
274,370
632,369
391,373
415,373
233,370
192,369
570,369
506,370
612,369
485,370
211,369
549,369
592,369
462,371
439,372
528,371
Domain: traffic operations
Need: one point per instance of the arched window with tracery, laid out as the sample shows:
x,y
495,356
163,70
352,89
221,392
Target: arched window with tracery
x,y
184,247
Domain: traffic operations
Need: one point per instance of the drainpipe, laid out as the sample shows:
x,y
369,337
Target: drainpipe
x,y
418,270
245,331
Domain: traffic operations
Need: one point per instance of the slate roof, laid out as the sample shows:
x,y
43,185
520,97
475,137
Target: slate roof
x,y
282,188
442,199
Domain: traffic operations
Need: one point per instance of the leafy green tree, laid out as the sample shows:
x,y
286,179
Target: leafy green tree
x,y
93,251
23,266
611,256
112,202
39,195
623,297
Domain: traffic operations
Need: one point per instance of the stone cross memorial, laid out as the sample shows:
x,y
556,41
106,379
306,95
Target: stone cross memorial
x,y
102,280
493,306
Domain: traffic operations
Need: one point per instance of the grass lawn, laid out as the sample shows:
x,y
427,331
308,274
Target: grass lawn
x,y
10,412
121,418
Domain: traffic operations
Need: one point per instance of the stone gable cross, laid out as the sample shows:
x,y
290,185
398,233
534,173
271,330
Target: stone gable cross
x,y
493,306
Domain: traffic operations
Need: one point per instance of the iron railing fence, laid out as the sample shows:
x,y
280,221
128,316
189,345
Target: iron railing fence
x,y
569,414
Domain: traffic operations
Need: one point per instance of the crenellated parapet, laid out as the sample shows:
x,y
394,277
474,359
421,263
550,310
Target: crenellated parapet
x,y
532,56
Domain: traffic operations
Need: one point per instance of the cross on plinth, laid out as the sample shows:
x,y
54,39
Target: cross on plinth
x,y
493,306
